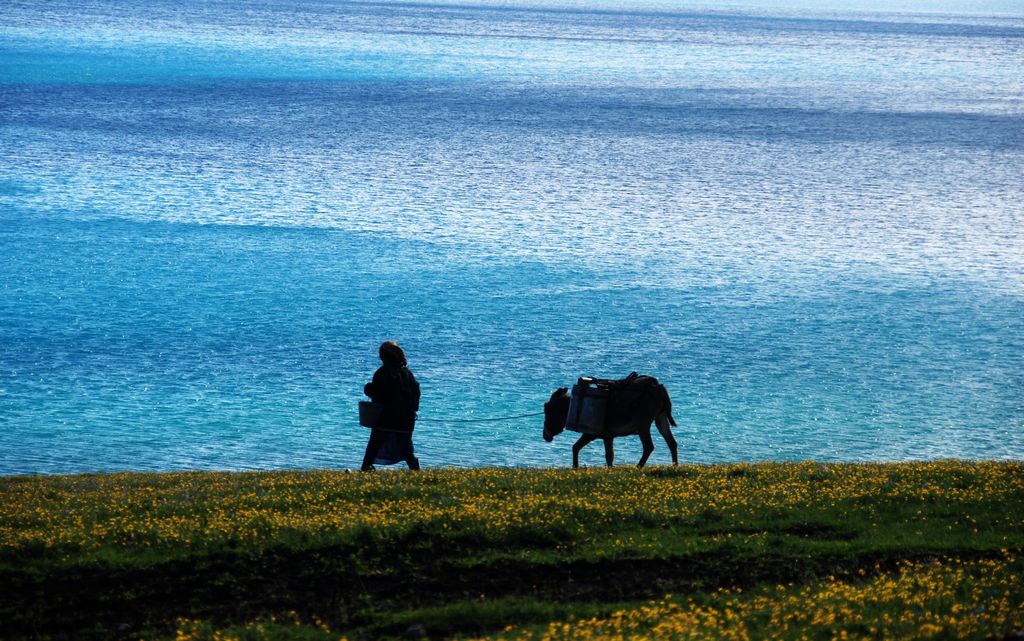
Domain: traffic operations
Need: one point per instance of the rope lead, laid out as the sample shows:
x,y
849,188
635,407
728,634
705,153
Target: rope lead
x,y
475,420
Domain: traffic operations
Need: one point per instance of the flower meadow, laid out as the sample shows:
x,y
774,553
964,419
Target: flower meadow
x,y
129,513
951,599
747,551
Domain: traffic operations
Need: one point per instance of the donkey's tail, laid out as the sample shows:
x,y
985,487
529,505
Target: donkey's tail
x,y
668,406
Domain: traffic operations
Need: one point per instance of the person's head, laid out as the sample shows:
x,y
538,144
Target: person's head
x,y
391,353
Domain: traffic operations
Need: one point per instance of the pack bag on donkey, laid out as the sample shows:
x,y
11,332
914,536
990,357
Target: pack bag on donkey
x,y
592,397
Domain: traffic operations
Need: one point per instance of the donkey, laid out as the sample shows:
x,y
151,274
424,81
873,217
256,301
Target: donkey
x,y
649,401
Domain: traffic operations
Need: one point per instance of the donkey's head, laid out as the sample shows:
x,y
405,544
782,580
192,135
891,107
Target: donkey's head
x,y
556,410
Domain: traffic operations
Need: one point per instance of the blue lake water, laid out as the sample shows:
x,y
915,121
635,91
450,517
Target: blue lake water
x,y
808,224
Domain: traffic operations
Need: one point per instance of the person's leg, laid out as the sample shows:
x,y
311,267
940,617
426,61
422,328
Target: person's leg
x,y
372,446
410,457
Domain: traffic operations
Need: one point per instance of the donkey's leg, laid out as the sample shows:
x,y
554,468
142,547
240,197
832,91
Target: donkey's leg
x,y
666,431
609,451
578,445
645,440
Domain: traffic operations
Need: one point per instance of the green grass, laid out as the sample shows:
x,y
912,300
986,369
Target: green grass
x,y
450,553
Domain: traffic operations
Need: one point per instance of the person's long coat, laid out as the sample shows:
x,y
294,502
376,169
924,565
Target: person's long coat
x,y
398,392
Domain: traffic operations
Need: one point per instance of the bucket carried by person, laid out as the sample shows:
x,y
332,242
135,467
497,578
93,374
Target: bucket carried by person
x,y
369,413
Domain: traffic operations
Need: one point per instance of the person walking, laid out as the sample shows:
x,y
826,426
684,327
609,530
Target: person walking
x,y
396,390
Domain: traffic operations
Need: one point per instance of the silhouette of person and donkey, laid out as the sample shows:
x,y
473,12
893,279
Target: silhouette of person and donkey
x,y
597,408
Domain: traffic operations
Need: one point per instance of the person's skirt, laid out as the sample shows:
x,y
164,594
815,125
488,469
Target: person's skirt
x,y
395,447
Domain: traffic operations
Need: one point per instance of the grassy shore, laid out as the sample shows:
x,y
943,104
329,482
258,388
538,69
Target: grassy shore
x,y
790,551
